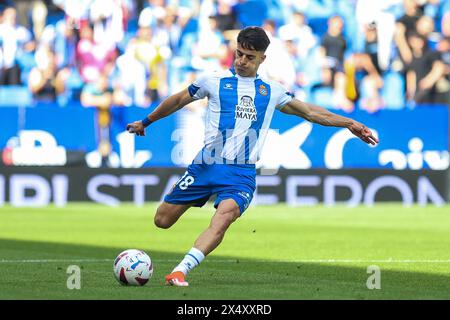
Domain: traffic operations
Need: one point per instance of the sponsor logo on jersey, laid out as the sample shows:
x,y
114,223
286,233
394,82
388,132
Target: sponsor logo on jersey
x,y
246,109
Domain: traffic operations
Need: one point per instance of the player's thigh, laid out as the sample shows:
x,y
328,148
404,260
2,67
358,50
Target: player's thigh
x,y
169,213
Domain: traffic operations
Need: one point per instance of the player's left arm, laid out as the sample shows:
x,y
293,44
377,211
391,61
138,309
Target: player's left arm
x,y
324,117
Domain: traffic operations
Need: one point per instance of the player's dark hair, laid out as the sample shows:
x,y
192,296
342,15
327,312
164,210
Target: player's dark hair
x,y
253,38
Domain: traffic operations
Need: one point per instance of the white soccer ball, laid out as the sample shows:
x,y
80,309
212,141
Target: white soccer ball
x,y
133,267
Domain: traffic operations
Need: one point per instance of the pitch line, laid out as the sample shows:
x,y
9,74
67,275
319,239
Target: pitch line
x,y
237,261
52,260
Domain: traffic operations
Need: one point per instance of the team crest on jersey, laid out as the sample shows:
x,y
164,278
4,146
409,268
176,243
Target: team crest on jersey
x,y
262,90
246,109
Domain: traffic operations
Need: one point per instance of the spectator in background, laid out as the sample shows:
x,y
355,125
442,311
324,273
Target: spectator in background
x,y
333,46
435,8
148,16
371,44
405,26
107,19
98,95
363,81
278,64
231,44
15,41
382,14
300,33
423,73
160,33
129,80
363,73
38,16
44,81
93,58
210,48
23,9
61,37
65,43
425,27
181,37
77,12
188,22
186,38
153,58
292,49
444,45
170,29
225,16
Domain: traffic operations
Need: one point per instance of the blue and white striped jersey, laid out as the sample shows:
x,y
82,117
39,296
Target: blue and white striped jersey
x,y
238,115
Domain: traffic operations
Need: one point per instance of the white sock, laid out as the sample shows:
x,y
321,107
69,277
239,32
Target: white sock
x,y
190,261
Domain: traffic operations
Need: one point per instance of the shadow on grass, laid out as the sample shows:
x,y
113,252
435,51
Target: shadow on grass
x,y
38,270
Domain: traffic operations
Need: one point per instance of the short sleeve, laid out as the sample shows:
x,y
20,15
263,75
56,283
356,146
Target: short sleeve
x,y
433,56
199,88
283,96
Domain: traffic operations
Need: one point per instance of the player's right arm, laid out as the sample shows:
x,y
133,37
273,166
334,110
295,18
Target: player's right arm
x,y
170,105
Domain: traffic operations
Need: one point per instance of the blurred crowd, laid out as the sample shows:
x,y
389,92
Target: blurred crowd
x,y
341,54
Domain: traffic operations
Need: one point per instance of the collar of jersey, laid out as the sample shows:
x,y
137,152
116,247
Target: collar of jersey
x,y
243,78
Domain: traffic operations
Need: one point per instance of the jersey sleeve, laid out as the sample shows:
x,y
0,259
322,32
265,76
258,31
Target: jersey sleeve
x,y
283,96
199,88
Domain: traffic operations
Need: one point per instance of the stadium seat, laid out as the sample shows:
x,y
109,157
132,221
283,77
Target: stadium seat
x,y
15,96
318,25
323,96
132,26
393,90
251,13
26,60
53,17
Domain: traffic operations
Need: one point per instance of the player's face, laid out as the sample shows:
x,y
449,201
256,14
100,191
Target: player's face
x,y
246,62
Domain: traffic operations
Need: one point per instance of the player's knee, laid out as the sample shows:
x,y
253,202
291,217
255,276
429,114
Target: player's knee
x,y
233,213
162,222
229,209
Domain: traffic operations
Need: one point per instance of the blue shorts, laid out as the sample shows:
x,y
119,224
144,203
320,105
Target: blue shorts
x,y
228,181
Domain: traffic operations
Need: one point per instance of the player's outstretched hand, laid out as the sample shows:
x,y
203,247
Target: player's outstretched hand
x,y
362,132
136,127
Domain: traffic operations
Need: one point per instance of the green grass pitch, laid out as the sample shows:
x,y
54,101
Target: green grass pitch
x,y
272,252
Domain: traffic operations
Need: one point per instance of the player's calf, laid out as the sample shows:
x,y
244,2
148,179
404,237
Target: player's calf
x,y
226,214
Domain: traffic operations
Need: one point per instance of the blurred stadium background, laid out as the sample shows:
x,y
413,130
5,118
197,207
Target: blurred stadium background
x,y
74,73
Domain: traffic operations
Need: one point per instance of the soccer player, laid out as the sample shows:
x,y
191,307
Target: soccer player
x,y
240,108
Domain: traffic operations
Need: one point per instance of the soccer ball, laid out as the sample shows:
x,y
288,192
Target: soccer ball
x,y
133,267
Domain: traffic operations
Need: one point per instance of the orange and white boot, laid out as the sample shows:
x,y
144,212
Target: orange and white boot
x,y
176,279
